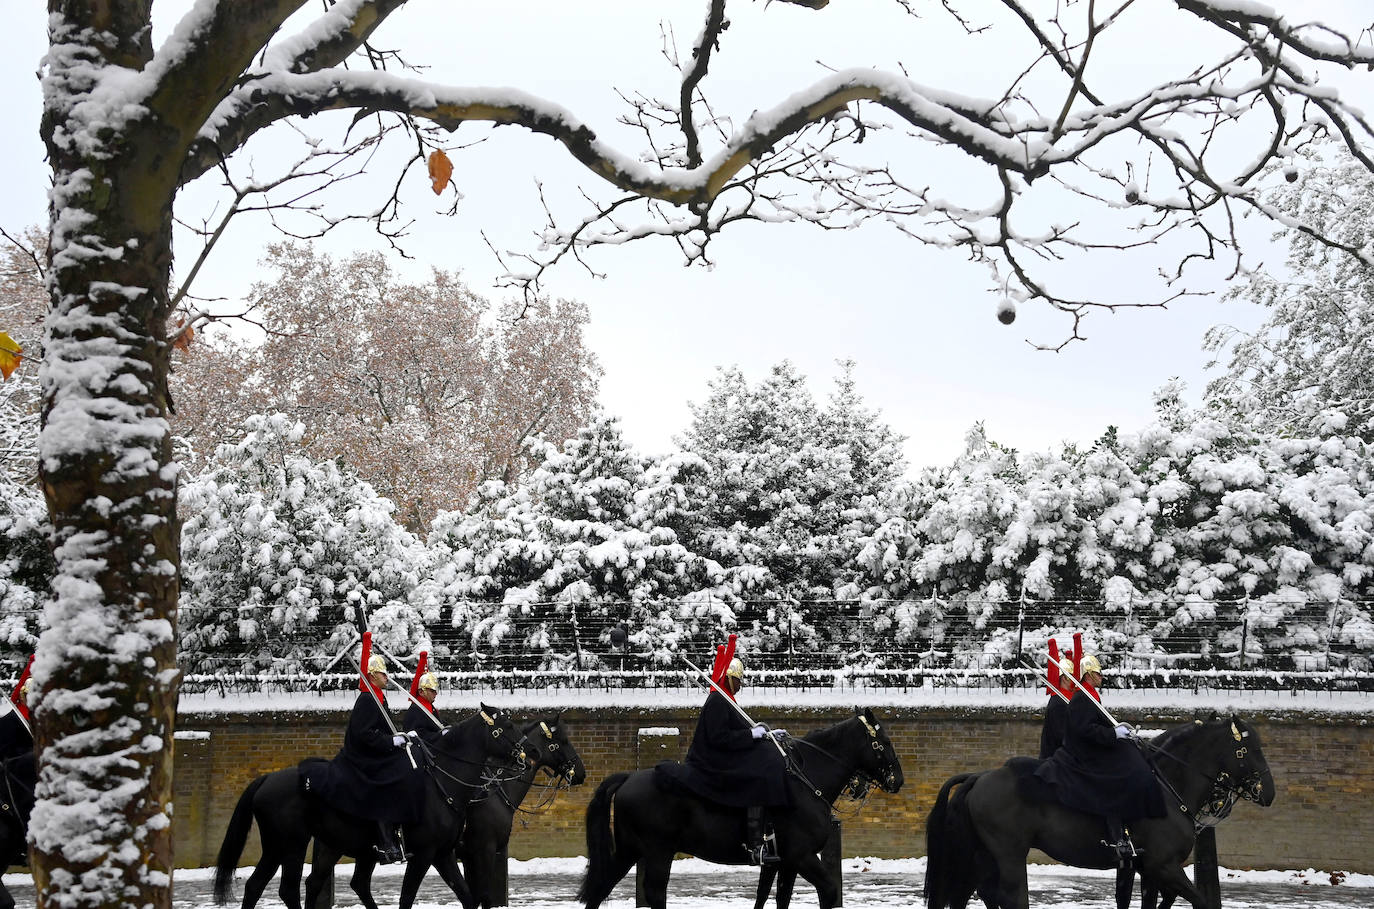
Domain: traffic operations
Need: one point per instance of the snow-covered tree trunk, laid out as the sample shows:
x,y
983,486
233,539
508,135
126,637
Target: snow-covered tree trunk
x,y
116,131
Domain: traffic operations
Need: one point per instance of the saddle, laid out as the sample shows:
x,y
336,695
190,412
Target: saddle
x,y
312,773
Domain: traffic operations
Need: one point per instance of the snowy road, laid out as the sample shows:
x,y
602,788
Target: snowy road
x,y
552,884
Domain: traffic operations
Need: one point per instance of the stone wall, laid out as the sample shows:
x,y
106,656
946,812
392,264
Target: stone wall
x,y
1323,767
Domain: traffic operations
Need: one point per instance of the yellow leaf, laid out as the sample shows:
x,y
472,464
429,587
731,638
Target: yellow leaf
x,y
9,355
440,170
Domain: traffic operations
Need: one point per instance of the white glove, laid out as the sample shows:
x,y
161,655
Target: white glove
x,y
413,735
1124,731
759,731
398,740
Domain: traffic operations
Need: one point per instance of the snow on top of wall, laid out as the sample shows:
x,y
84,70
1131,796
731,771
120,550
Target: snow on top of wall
x,y
1128,702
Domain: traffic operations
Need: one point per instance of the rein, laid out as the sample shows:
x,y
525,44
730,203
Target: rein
x,y
858,784
1221,796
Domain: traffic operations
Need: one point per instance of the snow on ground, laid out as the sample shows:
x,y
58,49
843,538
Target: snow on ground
x,y
870,883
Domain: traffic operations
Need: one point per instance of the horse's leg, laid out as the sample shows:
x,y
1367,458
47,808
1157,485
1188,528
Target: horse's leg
x,y
416,869
656,870
766,876
1013,890
361,881
322,862
786,881
446,863
261,876
1125,883
1173,881
292,863
810,868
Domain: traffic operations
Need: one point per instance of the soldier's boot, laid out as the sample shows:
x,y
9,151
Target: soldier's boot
x,y
761,843
387,846
1119,839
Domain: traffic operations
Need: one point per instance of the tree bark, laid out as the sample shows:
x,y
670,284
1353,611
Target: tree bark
x,y
105,668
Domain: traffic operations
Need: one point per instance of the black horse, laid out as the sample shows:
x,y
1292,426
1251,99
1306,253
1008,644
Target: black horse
x,y
14,847
654,820
288,819
983,824
491,816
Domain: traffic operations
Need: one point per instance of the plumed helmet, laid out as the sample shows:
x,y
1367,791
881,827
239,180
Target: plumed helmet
x,y
24,688
429,682
1066,667
1089,664
375,663
735,670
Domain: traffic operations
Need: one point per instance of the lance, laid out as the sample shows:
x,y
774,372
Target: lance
x,y
1043,677
738,709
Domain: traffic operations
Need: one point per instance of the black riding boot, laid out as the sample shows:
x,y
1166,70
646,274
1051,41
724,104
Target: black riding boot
x,y
388,844
1120,840
761,844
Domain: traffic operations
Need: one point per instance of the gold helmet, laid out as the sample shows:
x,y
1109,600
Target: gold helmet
x,y
1066,667
375,663
1089,664
429,682
735,670
24,689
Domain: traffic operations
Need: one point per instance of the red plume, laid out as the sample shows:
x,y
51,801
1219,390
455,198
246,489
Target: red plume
x,y
1054,667
718,667
415,682
364,683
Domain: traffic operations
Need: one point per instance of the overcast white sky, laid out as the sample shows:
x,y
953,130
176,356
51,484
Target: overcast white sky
x,y
919,322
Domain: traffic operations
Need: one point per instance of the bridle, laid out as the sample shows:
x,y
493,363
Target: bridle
x,y
860,781
486,776
562,773
1225,790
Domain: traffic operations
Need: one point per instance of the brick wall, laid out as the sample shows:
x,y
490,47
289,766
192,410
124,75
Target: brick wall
x,y
1323,769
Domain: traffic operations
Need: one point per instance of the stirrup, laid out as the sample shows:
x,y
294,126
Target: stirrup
x,y
388,856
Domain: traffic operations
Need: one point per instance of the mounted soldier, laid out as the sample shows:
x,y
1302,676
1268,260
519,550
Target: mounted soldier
x,y
16,750
374,775
1099,769
421,718
733,763
1063,680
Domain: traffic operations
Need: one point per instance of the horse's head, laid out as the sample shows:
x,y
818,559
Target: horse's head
x,y
878,758
499,738
546,745
1243,765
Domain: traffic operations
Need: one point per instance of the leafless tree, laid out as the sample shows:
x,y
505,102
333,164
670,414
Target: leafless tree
x,y
127,125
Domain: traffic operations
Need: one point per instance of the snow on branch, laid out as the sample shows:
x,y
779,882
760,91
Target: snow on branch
x,y
1152,159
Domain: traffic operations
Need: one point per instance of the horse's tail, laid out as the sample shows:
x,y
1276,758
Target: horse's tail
x,y
602,862
950,847
234,839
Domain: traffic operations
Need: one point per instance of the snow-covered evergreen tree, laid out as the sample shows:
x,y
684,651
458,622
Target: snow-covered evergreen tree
x,y
544,567
286,559
1311,356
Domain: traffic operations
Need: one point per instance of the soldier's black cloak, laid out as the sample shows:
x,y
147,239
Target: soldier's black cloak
x,y
726,764
1056,721
1096,772
417,719
370,776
